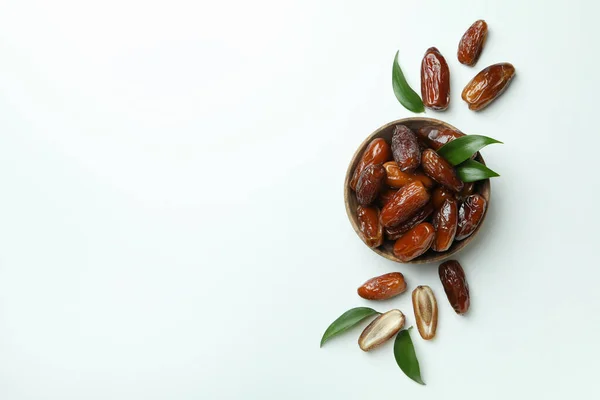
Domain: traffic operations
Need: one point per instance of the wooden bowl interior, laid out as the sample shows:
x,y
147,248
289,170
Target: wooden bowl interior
x,y
385,132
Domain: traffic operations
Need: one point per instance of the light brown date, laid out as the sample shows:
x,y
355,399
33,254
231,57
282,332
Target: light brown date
x,y
440,195
487,85
471,44
435,136
397,178
369,226
369,184
414,242
383,328
455,285
383,287
445,222
470,214
405,148
440,170
435,80
407,201
395,232
377,152
426,311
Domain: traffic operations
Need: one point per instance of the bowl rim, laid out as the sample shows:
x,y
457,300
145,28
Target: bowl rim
x,y
428,257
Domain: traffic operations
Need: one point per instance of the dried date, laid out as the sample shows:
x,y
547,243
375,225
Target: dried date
x,y
414,242
377,152
369,184
383,287
455,285
470,214
445,223
440,170
471,44
369,226
407,201
426,311
435,80
435,136
405,148
487,85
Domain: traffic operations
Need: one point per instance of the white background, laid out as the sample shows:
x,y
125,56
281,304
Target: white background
x,y
171,213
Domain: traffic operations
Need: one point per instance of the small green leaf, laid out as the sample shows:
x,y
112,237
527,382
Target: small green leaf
x,y
471,171
346,321
404,352
464,147
404,93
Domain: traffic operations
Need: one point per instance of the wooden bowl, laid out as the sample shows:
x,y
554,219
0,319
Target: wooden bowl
x,y
385,250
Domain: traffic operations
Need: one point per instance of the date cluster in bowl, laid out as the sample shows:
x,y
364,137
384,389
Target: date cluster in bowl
x,y
406,201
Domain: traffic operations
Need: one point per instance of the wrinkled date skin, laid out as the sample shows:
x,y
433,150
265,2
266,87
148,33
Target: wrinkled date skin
x,y
435,80
383,287
440,195
407,201
385,196
470,214
487,85
440,170
377,152
471,44
445,222
395,232
414,242
435,136
369,184
397,179
455,285
369,225
405,148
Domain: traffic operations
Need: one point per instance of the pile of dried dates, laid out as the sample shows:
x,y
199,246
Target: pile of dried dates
x,y
411,198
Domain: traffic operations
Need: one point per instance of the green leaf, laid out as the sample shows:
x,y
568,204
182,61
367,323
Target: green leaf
x,y
404,351
404,93
471,171
464,147
346,321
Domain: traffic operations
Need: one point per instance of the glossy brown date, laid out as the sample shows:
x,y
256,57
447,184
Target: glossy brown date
x,y
440,195
455,285
435,80
396,178
377,152
445,222
487,85
369,226
395,232
436,136
470,214
414,242
407,201
440,170
369,184
405,148
471,44
383,287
